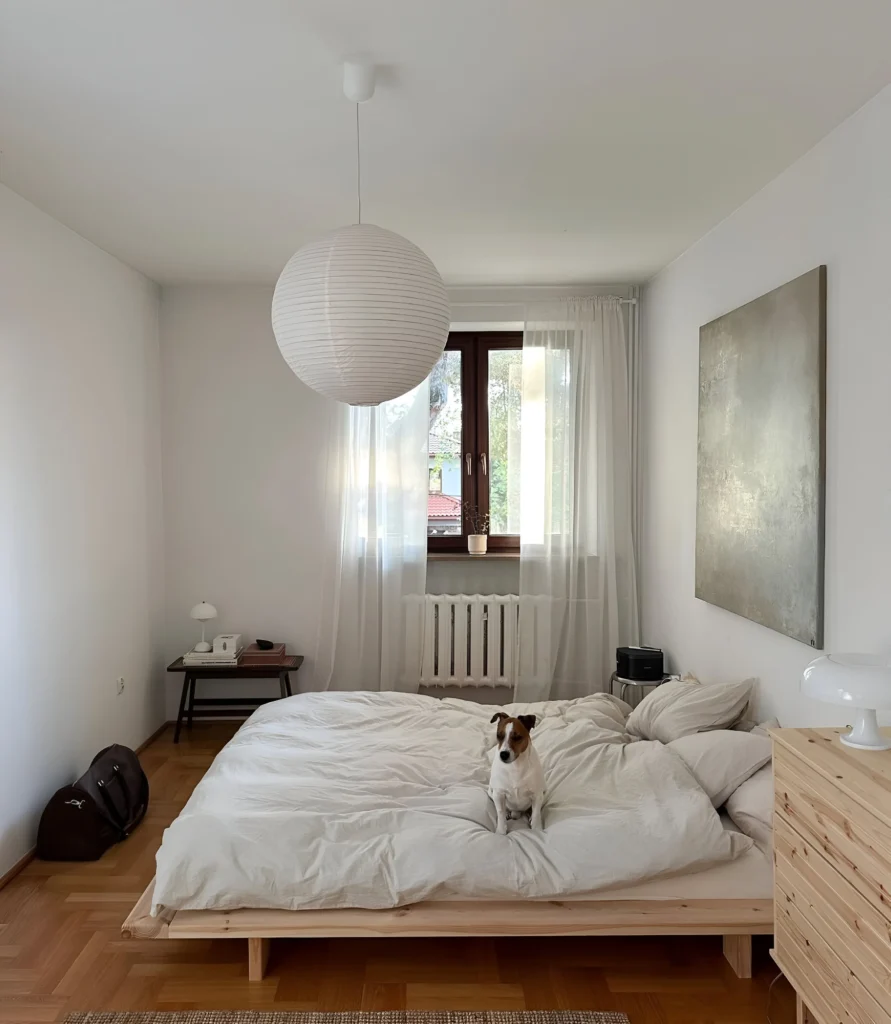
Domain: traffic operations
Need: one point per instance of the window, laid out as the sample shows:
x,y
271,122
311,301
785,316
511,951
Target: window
x,y
474,446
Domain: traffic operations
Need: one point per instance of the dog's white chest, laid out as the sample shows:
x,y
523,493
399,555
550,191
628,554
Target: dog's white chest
x,y
519,782
518,798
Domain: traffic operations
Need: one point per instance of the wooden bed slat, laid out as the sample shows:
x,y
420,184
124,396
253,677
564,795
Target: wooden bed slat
x,y
606,917
735,919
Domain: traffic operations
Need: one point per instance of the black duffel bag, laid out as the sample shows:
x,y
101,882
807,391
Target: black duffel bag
x,y
107,802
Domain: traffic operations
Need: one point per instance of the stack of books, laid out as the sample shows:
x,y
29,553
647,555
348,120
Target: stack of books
x,y
254,655
221,659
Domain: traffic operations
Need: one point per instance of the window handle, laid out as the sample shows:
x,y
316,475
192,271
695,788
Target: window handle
x,y
468,459
484,463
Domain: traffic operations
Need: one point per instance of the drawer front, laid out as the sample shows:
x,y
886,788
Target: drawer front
x,y
817,970
836,943
811,986
855,842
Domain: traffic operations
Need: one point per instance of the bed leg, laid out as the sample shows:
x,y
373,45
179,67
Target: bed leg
x,y
802,1013
738,951
258,957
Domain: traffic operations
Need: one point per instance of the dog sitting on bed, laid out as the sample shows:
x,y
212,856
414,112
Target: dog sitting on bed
x,y
516,783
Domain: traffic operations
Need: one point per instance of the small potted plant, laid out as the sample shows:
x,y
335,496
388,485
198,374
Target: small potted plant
x,y
478,525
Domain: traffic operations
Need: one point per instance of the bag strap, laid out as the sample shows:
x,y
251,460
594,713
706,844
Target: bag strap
x,y
109,803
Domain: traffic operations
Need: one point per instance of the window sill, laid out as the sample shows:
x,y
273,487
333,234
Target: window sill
x,y
463,556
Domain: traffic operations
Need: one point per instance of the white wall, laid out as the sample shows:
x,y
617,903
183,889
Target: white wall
x,y
81,585
244,449
834,207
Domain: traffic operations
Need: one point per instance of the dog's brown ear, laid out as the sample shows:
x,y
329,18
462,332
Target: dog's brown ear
x,y
528,721
498,717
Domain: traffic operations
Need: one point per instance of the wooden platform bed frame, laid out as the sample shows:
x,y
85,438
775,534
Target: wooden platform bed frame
x,y
737,920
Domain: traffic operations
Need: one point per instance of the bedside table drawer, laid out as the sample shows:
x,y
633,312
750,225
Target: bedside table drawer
x,y
831,940
855,842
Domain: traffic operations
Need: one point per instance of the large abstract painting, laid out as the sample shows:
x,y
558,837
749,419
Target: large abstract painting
x,y
761,482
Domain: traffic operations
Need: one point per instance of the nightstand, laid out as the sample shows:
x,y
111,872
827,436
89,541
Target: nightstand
x,y
832,884
636,684
209,707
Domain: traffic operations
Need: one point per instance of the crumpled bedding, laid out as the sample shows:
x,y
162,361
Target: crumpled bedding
x,y
377,800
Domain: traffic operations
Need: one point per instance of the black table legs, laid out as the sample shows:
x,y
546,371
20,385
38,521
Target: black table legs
x,y
188,702
191,700
187,690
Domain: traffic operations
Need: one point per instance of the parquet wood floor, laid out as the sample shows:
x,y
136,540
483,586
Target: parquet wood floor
x,y
61,949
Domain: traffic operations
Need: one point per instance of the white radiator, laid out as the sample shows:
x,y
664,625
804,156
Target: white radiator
x,y
474,639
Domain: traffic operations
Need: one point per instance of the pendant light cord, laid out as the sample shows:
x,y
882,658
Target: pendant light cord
x,y
358,168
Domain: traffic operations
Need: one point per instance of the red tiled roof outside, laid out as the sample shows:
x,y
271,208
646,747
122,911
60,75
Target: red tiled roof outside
x,y
443,506
440,445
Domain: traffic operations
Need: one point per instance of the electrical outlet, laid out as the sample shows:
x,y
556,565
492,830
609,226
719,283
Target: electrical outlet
x,y
120,684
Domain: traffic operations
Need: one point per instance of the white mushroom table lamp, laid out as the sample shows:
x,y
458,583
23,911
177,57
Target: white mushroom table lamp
x,y
861,682
203,612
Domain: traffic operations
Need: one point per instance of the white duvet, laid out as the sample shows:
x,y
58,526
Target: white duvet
x,y
379,799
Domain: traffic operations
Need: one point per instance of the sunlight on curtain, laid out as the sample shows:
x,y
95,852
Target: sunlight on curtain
x,y
578,591
377,496
533,449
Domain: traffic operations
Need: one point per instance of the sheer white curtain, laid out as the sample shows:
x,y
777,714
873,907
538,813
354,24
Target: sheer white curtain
x,y
578,590
371,591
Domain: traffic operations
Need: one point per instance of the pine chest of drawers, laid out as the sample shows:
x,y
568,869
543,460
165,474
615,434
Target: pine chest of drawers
x,y
832,885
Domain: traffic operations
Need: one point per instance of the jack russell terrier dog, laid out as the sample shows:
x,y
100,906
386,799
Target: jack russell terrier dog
x,y
516,784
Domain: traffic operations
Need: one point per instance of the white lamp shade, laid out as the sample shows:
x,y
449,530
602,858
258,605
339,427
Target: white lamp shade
x,y
361,315
856,680
862,682
203,612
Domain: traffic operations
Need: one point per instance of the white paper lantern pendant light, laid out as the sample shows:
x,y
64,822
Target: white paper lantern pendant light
x,y
360,315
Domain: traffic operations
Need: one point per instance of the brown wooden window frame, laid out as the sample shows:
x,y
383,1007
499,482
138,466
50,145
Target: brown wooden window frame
x,y
475,348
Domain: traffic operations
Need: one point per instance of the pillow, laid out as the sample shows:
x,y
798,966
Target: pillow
x,y
750,725
680,708
751,807
763,728
722,760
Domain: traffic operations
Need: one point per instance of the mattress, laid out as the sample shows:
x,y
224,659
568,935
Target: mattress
x,y
377,800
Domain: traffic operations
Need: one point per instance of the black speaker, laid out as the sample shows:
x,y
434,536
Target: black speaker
x,y
642,664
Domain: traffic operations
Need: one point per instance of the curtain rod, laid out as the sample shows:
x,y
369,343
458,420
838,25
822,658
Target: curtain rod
x,y
521,302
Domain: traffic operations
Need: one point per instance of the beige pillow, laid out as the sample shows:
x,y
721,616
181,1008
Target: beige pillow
x,y
750,725
722,760
680,708
751,807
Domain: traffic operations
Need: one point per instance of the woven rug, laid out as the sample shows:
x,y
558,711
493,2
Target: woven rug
x,y
382,1017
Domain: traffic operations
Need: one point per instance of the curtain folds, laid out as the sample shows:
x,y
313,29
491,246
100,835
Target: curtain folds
x,y
377,500
578,583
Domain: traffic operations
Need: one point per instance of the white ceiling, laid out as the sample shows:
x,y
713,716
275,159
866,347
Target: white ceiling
x,y
516,141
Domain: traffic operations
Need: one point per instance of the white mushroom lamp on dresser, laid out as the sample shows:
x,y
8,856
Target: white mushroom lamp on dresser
x,y
861,682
